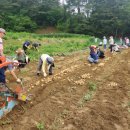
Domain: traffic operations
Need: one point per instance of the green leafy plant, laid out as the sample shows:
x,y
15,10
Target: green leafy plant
x,y
92,86
88,96
128,104
40,126
129,110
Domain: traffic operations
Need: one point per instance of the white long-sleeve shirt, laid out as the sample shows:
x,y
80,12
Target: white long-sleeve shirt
x,y
44,60
104,41
111,41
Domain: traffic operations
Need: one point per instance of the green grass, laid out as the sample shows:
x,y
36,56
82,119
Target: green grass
x,y
52,44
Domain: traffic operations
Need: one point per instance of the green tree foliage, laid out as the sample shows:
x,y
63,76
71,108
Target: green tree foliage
x,y
93,17
110,17
26,15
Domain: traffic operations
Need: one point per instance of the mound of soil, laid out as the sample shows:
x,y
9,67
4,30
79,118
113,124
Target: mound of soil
x,y
78,96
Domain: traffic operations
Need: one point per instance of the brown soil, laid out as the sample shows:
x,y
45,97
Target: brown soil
x,y
59,100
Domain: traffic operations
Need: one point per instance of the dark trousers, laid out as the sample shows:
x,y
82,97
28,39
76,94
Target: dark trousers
x,y
111,48
2,76
25,49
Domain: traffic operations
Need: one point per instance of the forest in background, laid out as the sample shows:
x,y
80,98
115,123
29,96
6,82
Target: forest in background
x,y
91,17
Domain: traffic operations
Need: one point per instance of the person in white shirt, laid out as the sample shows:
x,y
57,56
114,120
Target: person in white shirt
x,y
116,48
127,41
104,43
45,61
2,33
111,42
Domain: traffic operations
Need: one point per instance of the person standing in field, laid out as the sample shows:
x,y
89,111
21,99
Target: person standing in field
x,y
121,41
111,42
104,43
127,41
2,33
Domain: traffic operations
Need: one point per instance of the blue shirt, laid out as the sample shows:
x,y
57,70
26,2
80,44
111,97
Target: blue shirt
x,y
94,56
27,43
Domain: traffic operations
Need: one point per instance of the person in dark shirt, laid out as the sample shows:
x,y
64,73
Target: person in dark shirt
x,y
100,53
26,45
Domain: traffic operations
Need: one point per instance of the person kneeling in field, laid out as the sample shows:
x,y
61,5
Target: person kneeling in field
x,y
100,53
116,48
93,58
22,58
45,61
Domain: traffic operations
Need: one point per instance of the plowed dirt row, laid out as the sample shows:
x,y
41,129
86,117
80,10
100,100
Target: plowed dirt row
x,y
64,102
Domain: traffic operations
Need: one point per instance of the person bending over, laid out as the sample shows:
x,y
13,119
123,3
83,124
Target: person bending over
x,y
45,61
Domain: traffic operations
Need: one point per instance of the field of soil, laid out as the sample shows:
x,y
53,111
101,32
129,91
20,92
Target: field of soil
x,y
79,96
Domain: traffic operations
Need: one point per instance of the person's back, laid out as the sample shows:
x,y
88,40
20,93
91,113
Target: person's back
x,y
26,45
116,48
44,56
100,54
45,60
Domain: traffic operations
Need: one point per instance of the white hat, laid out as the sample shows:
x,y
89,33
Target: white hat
x,y
2,30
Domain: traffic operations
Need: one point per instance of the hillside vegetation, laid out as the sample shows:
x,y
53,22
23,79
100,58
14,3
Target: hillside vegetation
x,y
90,17
52,44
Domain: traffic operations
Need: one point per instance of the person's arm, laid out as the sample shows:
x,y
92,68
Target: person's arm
x,y
10,68
15,57
1,52
25,44
44,67
1,48
13,74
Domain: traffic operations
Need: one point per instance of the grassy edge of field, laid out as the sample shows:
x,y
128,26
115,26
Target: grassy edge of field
x,y
52,44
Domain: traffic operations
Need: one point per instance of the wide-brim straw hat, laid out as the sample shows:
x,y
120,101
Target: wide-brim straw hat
x,y
19,50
